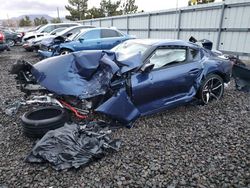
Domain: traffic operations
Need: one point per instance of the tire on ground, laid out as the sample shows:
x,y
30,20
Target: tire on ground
x,y
38,122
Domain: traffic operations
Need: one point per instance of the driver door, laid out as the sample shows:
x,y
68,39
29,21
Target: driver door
x,y
169,83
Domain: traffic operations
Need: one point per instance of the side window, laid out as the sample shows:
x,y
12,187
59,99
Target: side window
x,y
194,54
62,25
48,29
94,34
109,33
58,26
74,31
166,56
69,25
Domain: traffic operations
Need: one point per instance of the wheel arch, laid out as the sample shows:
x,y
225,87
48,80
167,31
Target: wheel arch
x,y
221,74
66,48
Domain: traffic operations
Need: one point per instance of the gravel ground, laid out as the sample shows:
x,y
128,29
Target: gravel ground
x,y
190,146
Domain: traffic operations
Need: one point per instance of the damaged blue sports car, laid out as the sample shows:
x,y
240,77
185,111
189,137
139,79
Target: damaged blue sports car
x,y
136,78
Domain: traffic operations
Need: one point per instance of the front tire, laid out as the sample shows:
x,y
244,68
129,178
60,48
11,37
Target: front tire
x,y
212,88
10,42
65,52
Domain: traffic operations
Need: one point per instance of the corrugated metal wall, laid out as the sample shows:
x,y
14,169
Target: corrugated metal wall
x,y
227,24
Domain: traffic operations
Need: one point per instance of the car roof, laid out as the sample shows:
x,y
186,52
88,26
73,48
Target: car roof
x,y
164,42
98,28
77,26
95,28
69,23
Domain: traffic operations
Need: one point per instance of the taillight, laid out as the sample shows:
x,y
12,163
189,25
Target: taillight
x,y
1,36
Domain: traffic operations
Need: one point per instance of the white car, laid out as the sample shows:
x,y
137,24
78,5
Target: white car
x,y
45,30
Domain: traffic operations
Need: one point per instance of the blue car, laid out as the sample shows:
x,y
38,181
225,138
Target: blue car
x,y
136,78
88,39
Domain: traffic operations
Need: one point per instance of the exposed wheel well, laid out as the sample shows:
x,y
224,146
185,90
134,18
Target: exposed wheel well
x,y
65,49
220,74
223,76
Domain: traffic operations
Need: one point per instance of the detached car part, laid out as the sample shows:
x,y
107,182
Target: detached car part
x,y
38,122
241,74
72,146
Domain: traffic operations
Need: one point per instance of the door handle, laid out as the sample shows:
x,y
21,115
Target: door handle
x,y
194,71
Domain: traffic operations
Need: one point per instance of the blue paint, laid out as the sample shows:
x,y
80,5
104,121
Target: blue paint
x,y
86,41
129,93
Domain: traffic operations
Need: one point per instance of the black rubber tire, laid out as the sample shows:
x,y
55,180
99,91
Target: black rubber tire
x,y
203,84
29,49
10,42
65,52
38,122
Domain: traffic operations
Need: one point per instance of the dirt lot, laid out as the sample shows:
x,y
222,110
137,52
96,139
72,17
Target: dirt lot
x,y
190,146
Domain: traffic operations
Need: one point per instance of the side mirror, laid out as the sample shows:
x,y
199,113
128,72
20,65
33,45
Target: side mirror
x,y
147,68
69,34
81,40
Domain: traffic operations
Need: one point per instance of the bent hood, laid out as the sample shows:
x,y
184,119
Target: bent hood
x,y
83,74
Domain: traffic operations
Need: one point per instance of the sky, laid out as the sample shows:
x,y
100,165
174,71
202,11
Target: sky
x,y
15,8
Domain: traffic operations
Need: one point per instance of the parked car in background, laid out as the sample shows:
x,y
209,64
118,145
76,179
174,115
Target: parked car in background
x,y
23,30
3,45
58,30
34,44
11,37
88,39
57,36
46,29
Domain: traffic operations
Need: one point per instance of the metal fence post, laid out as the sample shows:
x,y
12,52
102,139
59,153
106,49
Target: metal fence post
x,y
100,23
112,22
179,25
127,25
91,22
149,25
220,25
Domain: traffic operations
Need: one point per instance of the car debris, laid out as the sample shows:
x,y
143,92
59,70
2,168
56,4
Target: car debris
x,y
13,108
37,122
241,74
73,145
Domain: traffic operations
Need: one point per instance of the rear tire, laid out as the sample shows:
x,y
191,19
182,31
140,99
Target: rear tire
x,y
38,122
212,88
